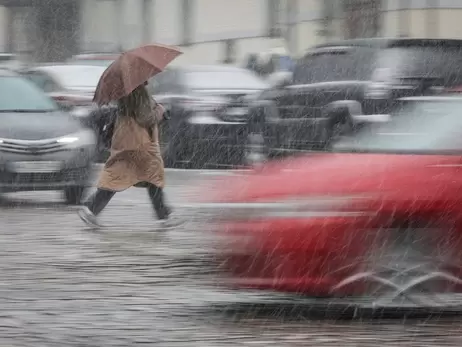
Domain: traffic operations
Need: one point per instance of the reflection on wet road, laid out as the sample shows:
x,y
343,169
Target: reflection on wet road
x,y
130,284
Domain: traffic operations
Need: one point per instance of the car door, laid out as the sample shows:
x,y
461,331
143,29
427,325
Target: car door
x,y
165,89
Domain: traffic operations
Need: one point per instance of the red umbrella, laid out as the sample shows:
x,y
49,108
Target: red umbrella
x,y
131,69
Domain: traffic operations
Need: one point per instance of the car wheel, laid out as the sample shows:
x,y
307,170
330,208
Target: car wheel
x,y
411,269
74,194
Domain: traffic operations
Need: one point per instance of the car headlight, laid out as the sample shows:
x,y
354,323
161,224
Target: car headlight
x,y
80,139
69,139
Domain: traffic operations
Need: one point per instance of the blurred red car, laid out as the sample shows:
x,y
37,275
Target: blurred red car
x,y
376,224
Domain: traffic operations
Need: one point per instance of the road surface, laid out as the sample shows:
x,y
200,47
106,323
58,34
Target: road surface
x,y
131,284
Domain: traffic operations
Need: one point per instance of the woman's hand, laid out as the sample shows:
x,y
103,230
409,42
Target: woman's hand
x,y
159,111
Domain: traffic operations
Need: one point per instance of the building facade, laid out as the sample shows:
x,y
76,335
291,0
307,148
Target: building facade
x,y
40,30
212,31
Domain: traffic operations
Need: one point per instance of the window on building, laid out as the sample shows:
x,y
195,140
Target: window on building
x,y
362,18
328,14
147,19
230,52
187,21
290,32
274,18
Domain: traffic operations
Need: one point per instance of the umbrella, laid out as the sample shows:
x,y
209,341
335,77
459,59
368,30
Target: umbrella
x,y
131,69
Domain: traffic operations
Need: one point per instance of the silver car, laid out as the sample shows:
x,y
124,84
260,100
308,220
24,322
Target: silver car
x,y
41,146
69,85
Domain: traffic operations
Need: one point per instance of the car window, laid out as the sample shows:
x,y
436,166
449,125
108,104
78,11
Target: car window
x,y
17,93
226,79
43,81
78,76
7,57
335,65
417,126
165,82
432,61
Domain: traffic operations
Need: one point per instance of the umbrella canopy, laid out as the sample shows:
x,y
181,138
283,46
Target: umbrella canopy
x,y
131,69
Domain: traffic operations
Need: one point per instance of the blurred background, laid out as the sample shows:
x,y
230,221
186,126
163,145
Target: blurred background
x,y
136,283
212,31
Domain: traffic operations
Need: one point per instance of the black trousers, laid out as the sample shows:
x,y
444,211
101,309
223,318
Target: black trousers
x,y
98,201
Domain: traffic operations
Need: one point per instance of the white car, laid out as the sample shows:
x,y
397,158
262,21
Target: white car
x,y
70,85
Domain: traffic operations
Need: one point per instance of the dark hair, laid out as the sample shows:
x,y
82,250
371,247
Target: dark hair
x,y
138,105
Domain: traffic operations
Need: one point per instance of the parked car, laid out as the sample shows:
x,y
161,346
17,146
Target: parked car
x,y
375,225
41,146
209,112
94,59
339,87
70,85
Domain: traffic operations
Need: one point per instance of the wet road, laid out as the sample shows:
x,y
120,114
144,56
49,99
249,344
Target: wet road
x,y
130,284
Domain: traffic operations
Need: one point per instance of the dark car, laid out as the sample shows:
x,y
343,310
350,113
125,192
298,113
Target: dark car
x,y
341,86
72,87
42,147
208,107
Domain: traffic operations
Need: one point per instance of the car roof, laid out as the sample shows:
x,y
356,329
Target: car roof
x,y
207,68
96,56
433,98
59,68
383,42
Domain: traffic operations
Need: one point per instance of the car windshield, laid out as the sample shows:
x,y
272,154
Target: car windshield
x,y
226,79
438,61
416,127
79,76
6,57
335,64
18,94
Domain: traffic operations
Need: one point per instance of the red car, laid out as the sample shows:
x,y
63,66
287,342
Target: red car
x,y
376,224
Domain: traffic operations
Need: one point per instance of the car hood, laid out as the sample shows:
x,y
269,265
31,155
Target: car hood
x,y
82,90
229,95
333,175
78,92
37,126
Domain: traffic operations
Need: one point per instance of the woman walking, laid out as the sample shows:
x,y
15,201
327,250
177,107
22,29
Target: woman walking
x,y
135,156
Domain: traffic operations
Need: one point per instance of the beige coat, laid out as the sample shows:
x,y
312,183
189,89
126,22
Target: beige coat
x,y
135,156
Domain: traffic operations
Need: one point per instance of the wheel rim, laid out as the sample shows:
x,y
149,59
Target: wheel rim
x,y
406,276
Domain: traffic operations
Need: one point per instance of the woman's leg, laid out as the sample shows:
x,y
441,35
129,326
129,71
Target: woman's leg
x,y
156,195
98,201
94,205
